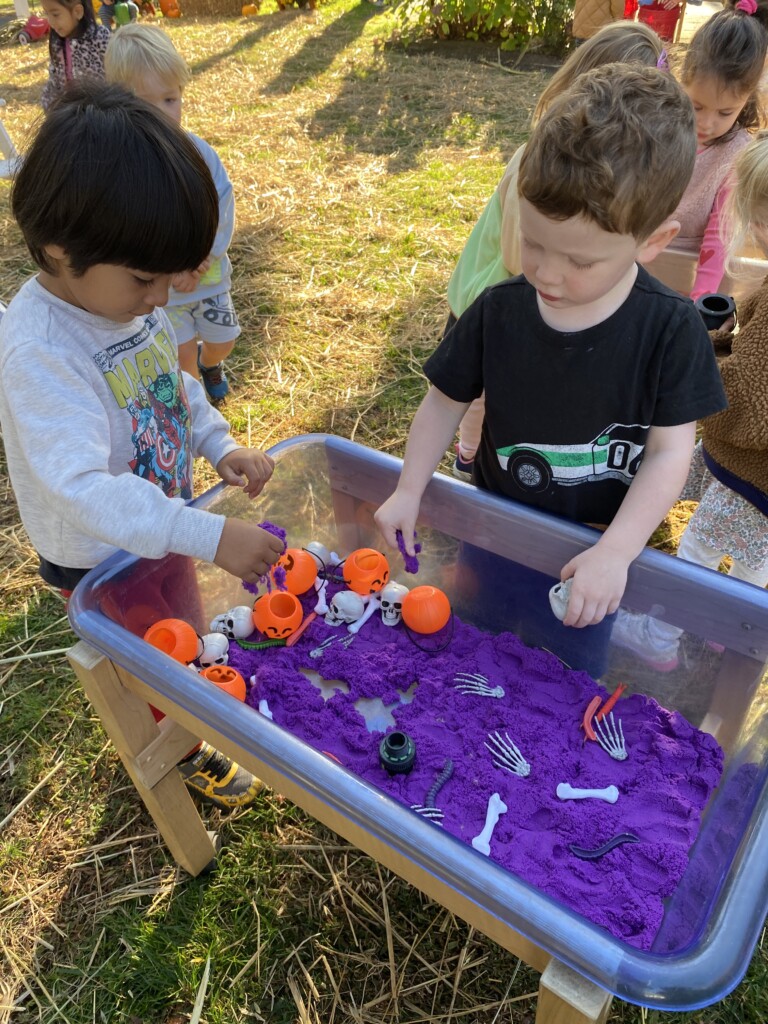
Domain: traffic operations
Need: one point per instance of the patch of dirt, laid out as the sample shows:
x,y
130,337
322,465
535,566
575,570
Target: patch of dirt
x,y
486,53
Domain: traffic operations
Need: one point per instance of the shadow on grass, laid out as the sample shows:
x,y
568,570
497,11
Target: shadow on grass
x,y
267,24
318,52
411,105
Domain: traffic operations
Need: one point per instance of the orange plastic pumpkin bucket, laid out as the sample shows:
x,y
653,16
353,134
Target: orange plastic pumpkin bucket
x,y
426,609
300,570
277,614
176,638
227,679
365,571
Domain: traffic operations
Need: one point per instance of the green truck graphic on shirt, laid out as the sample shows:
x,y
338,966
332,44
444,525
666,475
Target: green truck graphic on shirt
x,y
613,455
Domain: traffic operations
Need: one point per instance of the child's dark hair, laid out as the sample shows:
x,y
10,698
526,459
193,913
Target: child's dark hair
x,y
55,41
111,180
618,148
730,47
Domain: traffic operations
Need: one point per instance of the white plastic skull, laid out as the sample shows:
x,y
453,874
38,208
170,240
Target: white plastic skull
x,y
392,603
235,624
346,606
215,650
320,553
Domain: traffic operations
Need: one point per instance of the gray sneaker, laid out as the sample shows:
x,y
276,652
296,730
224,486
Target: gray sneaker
x,y
218,780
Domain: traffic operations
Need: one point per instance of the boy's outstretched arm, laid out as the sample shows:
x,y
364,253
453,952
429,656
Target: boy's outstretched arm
x,y
600,573
432,432
248,468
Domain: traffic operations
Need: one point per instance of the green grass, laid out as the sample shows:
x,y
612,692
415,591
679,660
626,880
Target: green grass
x,y
359,170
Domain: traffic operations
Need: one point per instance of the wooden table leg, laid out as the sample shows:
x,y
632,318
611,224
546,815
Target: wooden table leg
x,y
565,997
130,725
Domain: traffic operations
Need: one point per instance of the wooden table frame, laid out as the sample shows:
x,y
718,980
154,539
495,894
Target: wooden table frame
x,y
150,751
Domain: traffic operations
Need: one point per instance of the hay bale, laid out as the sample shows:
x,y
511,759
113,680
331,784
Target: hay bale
x,y
212,8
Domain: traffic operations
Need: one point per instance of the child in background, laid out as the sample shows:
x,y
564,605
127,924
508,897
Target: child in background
x,y
721,74
492,251
586,340
729,472
589,16
76,45
142,58
108,14
100,425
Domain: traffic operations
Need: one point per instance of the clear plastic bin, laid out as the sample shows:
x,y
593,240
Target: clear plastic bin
x,y
326,488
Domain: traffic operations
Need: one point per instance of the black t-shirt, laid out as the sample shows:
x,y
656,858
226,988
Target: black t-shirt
x,y
567,414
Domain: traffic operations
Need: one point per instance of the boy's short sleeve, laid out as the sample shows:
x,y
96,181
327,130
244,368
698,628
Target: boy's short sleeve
x,y
690,386
456,365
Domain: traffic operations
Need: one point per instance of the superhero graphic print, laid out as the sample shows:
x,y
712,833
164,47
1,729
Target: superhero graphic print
x,y
143,374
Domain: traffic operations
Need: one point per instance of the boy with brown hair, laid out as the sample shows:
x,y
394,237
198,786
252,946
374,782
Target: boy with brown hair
x,y
594,372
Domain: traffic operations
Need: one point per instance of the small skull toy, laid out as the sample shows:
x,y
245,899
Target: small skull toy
x,y
320,553
235,624
346,607
392,603
215,650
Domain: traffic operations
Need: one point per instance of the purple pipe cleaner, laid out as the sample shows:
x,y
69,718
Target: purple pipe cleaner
x,y
277,576
411,561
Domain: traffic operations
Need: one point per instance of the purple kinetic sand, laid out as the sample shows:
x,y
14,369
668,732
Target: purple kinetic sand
x,y
664,783
277,576
411,561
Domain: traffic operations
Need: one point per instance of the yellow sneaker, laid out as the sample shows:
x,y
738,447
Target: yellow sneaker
x,y
218,780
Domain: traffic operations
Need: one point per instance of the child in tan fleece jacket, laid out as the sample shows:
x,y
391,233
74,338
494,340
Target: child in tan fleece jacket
x,y
729,471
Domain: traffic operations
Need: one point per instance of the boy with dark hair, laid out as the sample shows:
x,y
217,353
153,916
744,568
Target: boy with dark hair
x,y
100,425
584,353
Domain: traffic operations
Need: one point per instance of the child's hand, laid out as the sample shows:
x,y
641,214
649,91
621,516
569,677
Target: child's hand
x,y
186,281
599,580
205,266
250,463
398,512
246,550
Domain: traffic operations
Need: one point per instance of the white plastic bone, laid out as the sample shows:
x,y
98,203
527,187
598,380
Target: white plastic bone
x,y
321,605
264,709
496,807
372,605
610,794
